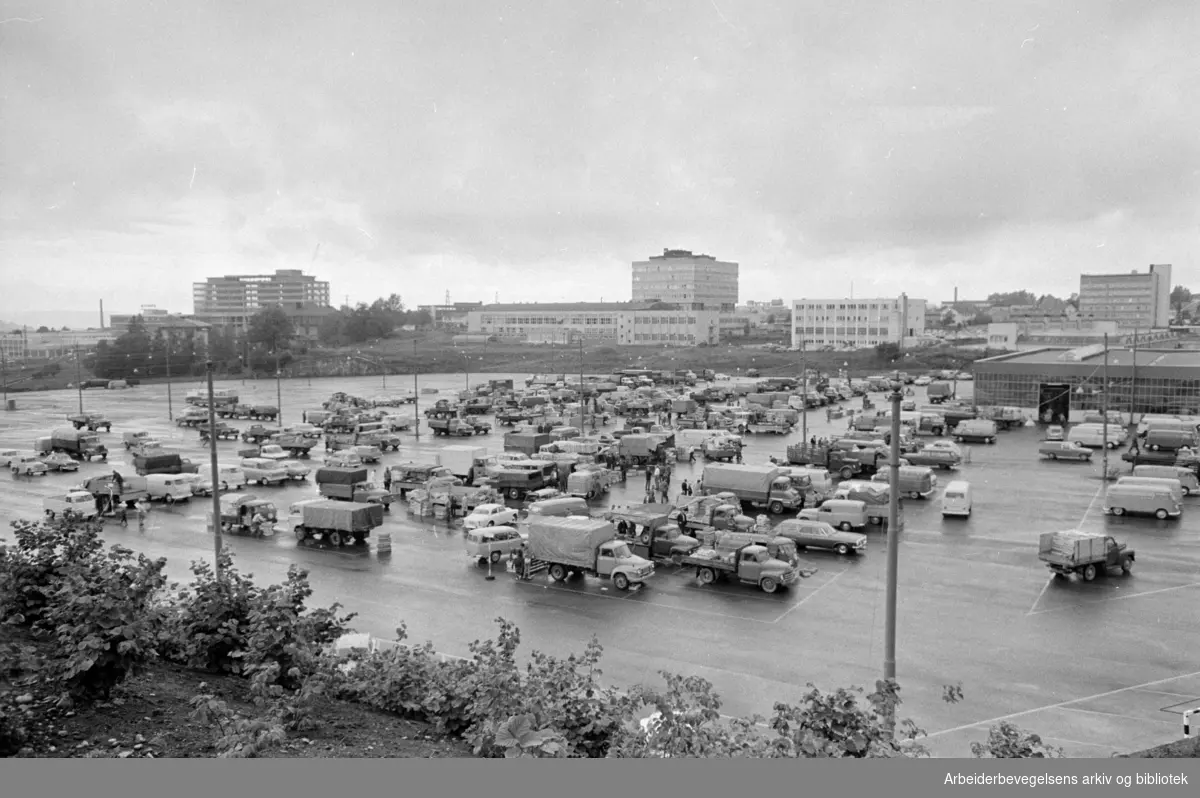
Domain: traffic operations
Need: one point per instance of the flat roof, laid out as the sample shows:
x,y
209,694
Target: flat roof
x,y
1171,358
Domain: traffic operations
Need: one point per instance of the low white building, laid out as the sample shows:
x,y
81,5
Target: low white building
x,y
856,323
626,323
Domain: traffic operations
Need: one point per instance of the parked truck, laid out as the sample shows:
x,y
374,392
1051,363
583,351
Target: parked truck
x,y
939,392
92,421
708,514
338,523
414,476
750,564
529,443
245,513
458,427
837,461
163,462
758,486
351,485
80,444
464,461
112,491
1083,553
642,448
74,504
587,546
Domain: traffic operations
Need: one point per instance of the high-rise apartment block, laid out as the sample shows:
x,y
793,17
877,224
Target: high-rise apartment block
x,y
1134,300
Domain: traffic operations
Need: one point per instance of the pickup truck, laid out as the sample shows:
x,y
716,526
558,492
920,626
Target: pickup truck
x,y
222,431
587,546
1162,457
130,439
1064,450
239,510
93,421
836,461
650,533
163,462
257,433
708,514
73,504
192,417
750,564
264,471
1082,553
459,426
294,443
414,476
110,492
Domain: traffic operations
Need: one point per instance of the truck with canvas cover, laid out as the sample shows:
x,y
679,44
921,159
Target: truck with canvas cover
x,y
1086,554
939,392
94,422
111,491
758,486
80,444
587,546
641,448
351,485
163,462
650,532
836,461
750,564
464,461
338,523
526,442
516,483
414,476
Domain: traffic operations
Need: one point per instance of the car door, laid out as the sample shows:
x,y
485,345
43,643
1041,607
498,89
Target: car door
x,y
818,537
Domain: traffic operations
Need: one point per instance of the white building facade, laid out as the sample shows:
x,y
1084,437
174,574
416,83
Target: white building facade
x,y
693,282
1132,300
856,323
624,323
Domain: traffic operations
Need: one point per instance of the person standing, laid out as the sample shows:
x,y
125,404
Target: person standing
x,y
387,479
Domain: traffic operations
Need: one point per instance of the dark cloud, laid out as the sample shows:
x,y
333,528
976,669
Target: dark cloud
x,y
592,133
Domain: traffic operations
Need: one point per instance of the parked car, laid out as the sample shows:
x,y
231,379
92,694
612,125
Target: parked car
x,y
296,469
1064,450
272,451
490,515
345,457
808,534
924,379
7,455
29,464
493,542
60,461
1055,432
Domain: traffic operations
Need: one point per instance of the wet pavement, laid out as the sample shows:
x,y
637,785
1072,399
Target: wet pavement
x,y
1096,668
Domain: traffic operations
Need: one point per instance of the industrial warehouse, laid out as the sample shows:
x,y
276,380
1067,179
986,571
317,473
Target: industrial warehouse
x,y
1059,382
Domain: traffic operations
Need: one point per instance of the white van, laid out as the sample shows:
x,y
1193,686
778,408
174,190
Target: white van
x,y
844,514
1173,485
1153,500
170,488
822,480
956,500
229,477
1092,435
1186,476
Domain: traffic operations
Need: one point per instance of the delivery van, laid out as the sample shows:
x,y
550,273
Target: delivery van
x,y
956,500
844,514
1173,485
1169,440
1093,435
1153,500
170,488
1186,476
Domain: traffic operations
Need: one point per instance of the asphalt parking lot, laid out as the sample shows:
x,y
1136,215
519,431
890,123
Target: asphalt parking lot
x,y
1096,668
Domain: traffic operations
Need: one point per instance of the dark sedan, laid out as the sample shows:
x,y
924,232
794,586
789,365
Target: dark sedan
x,y
820,535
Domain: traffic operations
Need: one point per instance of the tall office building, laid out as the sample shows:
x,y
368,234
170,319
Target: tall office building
x,y
694,282
1133,300
231,300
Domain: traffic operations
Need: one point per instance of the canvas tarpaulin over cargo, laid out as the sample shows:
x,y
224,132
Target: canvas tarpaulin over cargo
x,y
570,541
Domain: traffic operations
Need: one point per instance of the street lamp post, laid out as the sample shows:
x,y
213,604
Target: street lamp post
x,y
893,542
804,396
416,396
1104,412
216,485
278,387
170,402
79,378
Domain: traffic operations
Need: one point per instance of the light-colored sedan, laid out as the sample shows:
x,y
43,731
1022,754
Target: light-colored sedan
x,y
272,451
486,515
924,379
296,469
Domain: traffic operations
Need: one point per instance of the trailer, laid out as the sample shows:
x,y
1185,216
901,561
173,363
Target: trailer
x,y
1083,553
337,522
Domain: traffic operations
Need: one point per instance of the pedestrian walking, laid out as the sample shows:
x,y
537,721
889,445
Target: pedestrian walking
x,y
123,516
141,515
649,479
738,456
387,479
692,455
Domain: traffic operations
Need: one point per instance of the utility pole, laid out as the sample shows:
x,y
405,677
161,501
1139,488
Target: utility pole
x,y
278,388
216,483
1104,412
170,402
1133,387
416,396
79,378
804,396
582,406
893,543
4,374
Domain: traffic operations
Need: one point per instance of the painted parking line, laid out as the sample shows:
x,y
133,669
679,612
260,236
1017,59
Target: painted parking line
x,y
1112,598
788,611
627,597
1062,704
1117,715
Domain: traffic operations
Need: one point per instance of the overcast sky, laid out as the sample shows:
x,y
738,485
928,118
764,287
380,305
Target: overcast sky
x,y
532,150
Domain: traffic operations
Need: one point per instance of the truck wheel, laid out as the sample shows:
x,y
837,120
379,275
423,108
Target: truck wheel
x,y
514,494
558,573
1053,457
846,472
845,526
621,581
914,494
170,499
491,523
335,539
842,549
1089,573
1126,564
776,508
1161,514
768,585
591,494
707,576
1118,511
496,557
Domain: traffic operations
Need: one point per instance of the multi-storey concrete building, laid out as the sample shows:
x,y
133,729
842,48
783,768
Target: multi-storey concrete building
x,y
155,319
693,282
627,323
231,300
856,323
1133,300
